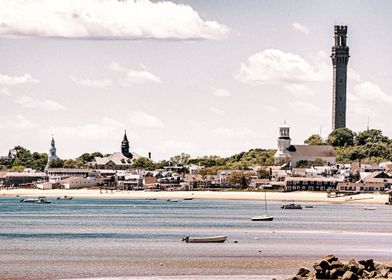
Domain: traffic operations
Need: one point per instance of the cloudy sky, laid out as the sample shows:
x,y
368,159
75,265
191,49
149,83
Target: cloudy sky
x,y
195,76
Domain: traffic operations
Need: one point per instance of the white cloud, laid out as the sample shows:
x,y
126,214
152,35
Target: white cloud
x,y
178,146
31,103
106,19
299,90
145,120
132,76
232,132
270,108
275,66
102,130
217,111
369,92
221,92
296,26
92,83
5,91
304,107
16,80
17,122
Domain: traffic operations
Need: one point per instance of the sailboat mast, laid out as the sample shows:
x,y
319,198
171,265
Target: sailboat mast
x,y
265,202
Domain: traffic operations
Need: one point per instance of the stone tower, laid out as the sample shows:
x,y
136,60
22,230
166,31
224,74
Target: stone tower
x,y
340,55
125,146
282,156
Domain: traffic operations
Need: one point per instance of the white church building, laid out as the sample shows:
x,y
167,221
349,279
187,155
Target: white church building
x,y
292,154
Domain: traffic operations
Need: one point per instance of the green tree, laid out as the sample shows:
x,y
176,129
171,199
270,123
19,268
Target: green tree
x,y
143,163
57,163
341,137
370,136
310,163
73,163
315,139
181,159
263,173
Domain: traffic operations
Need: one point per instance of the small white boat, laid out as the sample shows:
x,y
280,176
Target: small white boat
x,y
291,206
39,200
212,239
172,200
369,208
263,218
65,197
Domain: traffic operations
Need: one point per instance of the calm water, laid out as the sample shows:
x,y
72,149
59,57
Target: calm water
x,y
136,237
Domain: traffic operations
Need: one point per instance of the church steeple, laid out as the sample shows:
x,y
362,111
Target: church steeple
x,y
52,150
125,146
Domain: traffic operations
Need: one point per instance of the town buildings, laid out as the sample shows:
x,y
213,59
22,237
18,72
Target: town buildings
x,y
292,154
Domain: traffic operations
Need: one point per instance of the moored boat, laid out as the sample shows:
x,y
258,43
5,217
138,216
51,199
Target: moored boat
x,y
291,206
39,200
65,197
172,200
369,208
262,218
212,239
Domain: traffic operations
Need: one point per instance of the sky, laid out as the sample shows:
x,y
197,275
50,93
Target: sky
x,y
194,76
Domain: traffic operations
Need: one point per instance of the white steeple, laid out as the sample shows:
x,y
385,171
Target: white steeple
x,y
284,141
52,151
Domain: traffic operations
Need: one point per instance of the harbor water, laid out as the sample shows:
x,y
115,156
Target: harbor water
x,y
136,238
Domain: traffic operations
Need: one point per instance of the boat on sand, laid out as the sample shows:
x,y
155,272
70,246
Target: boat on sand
x,y
212,239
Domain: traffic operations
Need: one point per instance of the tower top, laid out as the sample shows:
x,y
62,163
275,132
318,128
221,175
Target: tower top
x,y
341,29
125,146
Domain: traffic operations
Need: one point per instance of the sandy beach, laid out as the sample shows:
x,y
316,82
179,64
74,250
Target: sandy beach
x,y
370,198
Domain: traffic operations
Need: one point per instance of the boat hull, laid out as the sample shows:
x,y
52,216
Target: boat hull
x,y
262,218
214,239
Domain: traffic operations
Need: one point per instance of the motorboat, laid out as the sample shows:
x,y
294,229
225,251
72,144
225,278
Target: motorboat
x,y
212,239
188,198
291,206
39,200
172,200
65,197
264,217
369,208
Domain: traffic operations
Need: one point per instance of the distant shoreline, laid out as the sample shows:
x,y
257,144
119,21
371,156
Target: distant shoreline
x,y
301,196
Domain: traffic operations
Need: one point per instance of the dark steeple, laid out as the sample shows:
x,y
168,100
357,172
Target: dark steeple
x,y
125,146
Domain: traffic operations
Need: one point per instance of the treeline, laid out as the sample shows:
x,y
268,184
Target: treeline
x,y
369,146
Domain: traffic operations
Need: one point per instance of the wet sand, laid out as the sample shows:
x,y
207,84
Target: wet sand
x,y
300,196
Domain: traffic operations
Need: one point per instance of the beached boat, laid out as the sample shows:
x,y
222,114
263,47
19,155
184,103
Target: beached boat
x,y
212,239
172,200
291,206
309,206
39,200
65,197
264,217
369,208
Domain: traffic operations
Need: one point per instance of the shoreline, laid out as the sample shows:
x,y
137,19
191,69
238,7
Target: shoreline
x,y
300,196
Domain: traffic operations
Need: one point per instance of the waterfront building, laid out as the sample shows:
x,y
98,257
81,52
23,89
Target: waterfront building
x,y
292,154
340,56
311,183
58,174
359,187
119,160
25,178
